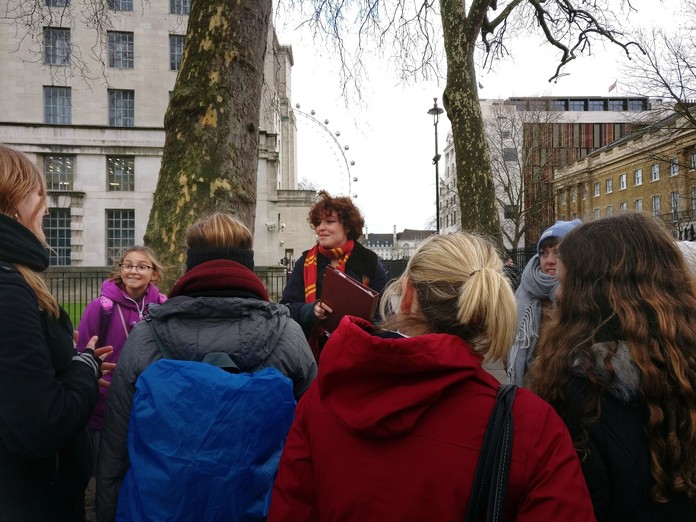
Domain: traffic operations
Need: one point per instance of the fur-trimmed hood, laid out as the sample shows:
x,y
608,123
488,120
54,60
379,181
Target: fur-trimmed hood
x,y
625,386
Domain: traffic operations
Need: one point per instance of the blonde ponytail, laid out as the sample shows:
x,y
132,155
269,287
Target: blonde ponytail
x,y
461,290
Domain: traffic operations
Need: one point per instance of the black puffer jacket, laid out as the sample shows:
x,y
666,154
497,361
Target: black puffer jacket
x,y
617,467
46,398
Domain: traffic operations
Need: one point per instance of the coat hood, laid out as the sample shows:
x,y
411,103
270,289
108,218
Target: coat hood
x,y
114,292
245,328
379,387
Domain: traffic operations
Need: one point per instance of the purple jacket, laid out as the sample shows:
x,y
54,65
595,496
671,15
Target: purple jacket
x,y
102,318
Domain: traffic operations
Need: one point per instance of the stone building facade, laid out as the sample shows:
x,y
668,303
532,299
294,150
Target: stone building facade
x,y
651,170
88,108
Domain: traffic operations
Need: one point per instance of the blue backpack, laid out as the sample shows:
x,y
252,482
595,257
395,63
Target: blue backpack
x,y
204,443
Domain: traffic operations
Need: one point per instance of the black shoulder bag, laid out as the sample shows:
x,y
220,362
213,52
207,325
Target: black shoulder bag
x,y
490,483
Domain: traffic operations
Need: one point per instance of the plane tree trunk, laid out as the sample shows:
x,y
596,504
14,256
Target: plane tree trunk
x,y
211,126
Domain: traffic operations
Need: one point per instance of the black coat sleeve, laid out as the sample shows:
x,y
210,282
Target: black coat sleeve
x,y
294,297
45,397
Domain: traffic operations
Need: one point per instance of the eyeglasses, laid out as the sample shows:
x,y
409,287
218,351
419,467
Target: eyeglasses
x,y
139,268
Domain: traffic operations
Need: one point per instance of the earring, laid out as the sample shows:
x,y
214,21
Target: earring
x,y
16,216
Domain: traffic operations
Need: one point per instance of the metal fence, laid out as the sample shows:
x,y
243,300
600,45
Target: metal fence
x,y
75,287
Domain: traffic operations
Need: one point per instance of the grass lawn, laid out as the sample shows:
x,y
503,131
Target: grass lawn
x,y
74,310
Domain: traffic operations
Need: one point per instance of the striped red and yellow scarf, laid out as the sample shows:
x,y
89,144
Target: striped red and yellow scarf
x,y
310,265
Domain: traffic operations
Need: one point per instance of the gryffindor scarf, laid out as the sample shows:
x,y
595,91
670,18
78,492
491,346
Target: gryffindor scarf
x,y
310,265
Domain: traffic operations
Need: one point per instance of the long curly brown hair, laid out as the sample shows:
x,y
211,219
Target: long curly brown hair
x,y
625,279
348,214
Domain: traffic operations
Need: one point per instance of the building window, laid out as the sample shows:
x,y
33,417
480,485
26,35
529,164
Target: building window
x,y
674,204
616,105
622,181
58,171
635,105
638,204
56,226
56,46
595,105
557,105
576,105
564,197
693,199
655,172
57,3
674,167
583,191
121,5
638,177
121,108
120,50
596,213
120,173
509,211
573,194
182,7
120,233
509,154
176,50
58,105
610,210
656,205
506,135
609,186
596,188
693,160
623,206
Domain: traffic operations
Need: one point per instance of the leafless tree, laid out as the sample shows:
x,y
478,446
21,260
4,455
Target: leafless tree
x,y
511,159
419,33
667,67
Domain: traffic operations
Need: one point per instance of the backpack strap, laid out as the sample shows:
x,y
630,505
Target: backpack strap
x,y
487,499
220,359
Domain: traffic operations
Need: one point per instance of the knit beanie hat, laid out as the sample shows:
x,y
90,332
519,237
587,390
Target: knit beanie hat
x,y
196,256
558,230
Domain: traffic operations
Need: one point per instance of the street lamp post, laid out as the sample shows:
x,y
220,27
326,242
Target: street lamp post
x,y
435,112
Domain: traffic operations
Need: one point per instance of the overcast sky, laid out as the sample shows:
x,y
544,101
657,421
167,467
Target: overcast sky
x,y
391,136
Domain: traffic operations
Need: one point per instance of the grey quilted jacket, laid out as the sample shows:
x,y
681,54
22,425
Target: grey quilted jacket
x,y
255,333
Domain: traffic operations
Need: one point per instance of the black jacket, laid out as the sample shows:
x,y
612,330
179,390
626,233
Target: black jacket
x,y
617,467
46,398
361,262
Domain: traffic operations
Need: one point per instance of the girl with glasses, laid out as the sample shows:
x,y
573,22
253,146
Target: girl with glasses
x,y
123,302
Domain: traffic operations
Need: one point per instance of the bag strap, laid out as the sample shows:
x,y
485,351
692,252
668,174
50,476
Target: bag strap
x,y
221,360
487,499
123,321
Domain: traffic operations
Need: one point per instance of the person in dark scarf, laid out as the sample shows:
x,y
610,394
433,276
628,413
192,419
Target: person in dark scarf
x,y
338,225
218,305
535,295
47,390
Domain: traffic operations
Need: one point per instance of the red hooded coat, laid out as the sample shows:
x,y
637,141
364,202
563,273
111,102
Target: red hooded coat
x,y
392,428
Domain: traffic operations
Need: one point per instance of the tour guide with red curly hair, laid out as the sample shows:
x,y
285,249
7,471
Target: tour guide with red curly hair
x,y
338,225
619,365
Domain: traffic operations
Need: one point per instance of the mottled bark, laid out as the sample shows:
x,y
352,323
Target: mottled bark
x,y
474,178
210,152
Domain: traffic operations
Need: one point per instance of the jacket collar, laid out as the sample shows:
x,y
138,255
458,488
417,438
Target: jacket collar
x,y
19,245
